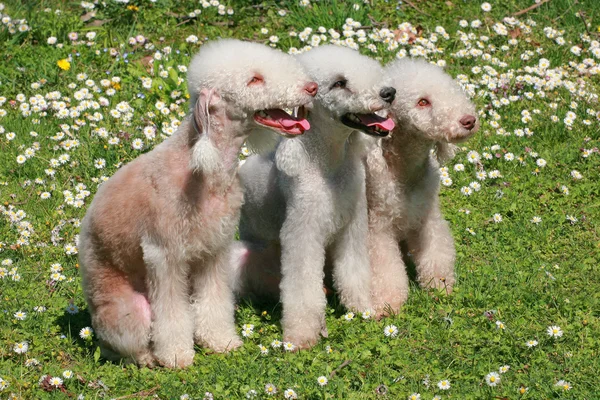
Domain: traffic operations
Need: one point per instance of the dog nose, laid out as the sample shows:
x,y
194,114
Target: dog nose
x,y
468,121
311,88
388,94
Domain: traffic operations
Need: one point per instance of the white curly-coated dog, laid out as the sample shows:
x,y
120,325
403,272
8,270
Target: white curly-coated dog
x,y
160,230
403,181
307,201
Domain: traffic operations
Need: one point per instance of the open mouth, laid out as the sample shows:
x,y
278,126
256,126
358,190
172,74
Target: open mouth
x,y
281,121
371,124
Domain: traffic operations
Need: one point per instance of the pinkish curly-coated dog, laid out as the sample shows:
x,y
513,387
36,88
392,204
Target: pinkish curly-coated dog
x,y
155,242
403,180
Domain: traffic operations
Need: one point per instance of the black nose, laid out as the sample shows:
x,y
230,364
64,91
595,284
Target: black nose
x,y
388,94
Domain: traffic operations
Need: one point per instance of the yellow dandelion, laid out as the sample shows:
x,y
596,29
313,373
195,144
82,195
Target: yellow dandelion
x,y
116,85
133,8
64,64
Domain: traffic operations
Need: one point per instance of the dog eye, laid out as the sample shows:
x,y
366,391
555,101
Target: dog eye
x,y
256,80
340,84
423,103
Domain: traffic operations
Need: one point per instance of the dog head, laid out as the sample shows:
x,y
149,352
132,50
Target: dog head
x,y
432,103
249,85
352,88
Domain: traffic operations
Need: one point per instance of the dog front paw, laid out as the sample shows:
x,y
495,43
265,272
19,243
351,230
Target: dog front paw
x,y
174,358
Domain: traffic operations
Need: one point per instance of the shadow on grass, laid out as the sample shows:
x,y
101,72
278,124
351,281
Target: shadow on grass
x,y
70,327
274,307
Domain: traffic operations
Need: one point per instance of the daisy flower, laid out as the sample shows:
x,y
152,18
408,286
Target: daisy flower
x,y
391,331
444,384
288,346
263,349
21,348
270,389
349,316
504,369
497,218
476,186
536,220
481,175
523,390
414,396
500,325
72,309
467,191
473,156
20,315
276,344
554,331
137,144
31,362
86,332
290,394
531,343
564,385
487,7
247,330
492,379
55,381
322,381
67,374
494,174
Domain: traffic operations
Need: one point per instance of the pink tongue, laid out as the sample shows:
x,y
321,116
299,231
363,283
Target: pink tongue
x,y
374,119
286,120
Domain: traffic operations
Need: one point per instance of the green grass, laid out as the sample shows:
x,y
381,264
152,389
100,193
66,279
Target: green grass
x,y
531,275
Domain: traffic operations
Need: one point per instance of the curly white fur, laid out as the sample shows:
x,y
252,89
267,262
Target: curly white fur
x,y
403,182
306,202
160,229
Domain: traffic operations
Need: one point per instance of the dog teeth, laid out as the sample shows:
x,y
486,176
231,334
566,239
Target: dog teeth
x,y
354,118
295,113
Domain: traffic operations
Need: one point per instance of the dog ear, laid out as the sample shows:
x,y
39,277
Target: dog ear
x,y
205,156
201,111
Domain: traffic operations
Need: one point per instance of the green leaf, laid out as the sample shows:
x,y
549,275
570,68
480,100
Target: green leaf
x,y
97,354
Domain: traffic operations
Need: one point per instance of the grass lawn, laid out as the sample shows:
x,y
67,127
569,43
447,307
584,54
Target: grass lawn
x,y
86,88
